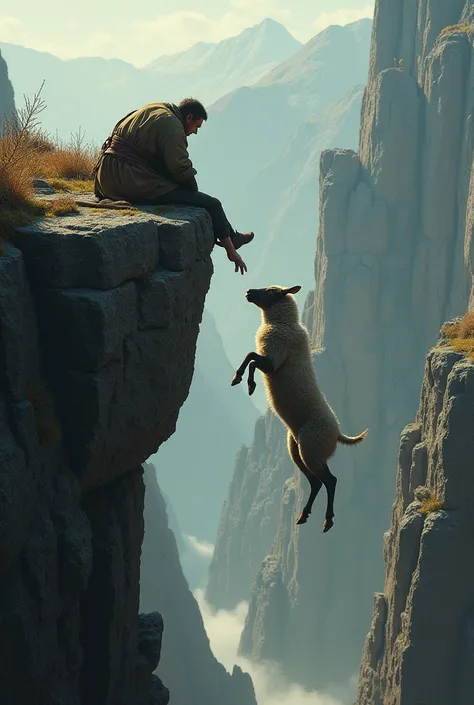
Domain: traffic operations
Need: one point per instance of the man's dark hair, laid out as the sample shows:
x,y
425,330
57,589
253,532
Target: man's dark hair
x,y
191,106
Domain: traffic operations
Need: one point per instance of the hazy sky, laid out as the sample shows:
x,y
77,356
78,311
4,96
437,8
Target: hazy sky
x,y
140,30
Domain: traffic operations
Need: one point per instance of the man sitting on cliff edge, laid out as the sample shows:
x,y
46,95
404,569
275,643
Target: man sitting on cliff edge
x,y
146,160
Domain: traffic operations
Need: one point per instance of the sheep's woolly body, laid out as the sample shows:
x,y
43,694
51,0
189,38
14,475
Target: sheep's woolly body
x,y
283,355
292,389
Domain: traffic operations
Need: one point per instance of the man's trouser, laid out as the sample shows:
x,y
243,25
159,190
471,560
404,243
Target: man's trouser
x,y
183,196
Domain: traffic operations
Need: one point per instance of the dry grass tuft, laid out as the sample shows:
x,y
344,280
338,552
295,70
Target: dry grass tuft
x,y
431,504
73,160
27,152
110,211
18,156
23,214
452,28
75,185
460,335
61,206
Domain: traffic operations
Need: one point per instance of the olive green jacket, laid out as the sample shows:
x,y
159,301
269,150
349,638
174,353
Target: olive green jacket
x,y
157,131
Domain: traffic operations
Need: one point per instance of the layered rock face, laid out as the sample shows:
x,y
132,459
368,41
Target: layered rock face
x,y
187,664
7,102
99,316
250,514
394,260
420,645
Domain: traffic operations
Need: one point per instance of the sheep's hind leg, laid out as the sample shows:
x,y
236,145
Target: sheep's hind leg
x,y
251,385
320,469
330,483
314,482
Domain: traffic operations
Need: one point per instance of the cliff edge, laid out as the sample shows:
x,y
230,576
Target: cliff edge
x,y
99,316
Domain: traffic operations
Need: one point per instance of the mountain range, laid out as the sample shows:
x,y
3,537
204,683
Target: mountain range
x,y
92,93
211,70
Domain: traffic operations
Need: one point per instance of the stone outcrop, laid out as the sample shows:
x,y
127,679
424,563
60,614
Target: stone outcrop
x,y
250,514
7,100
420,645
187,665
99,316
394,260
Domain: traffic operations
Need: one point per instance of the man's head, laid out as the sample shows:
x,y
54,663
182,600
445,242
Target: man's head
x,y
194,113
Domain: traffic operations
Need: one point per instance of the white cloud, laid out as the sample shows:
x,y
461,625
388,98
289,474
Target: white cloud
x,y
202,548
13,30
144,40
141,41
8,27
262,9
343,16
176,31
224,629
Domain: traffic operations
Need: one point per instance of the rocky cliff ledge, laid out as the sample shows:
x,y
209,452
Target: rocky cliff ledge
x,y
420,648
99,316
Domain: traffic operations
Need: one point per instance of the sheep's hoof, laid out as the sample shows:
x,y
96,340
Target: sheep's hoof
x,y
252,386
328,524
237,379
302,519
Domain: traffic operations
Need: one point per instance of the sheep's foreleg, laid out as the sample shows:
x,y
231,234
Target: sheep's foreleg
x,y
262,363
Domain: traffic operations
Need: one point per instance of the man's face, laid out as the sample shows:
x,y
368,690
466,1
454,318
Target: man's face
x,y
191,126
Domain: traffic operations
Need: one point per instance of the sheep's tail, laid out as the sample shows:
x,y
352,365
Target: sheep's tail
x,y
352,440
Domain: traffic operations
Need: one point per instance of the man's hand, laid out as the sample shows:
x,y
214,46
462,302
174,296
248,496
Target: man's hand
x,y
238,261
234,256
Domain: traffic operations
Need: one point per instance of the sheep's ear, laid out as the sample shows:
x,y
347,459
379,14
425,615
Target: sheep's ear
x,y
292,290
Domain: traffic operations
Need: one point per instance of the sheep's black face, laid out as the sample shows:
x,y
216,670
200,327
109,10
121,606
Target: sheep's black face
x,y
265,298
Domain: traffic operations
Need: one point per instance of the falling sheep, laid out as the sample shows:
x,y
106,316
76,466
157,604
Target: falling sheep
x,y
284,356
